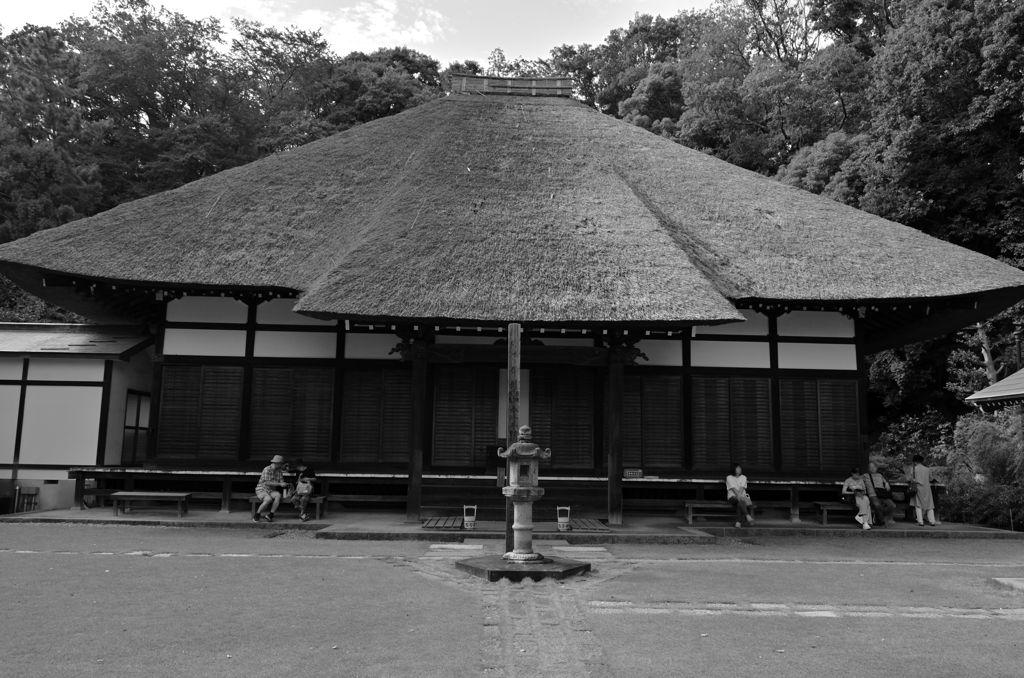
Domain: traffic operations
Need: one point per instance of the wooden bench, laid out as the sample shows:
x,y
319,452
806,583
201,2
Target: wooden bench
x,y
823,507
317,501
180,497
715,508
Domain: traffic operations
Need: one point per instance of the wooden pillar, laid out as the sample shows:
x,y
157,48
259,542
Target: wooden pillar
x,y
79,490
512,419
615,380
225,496
414,498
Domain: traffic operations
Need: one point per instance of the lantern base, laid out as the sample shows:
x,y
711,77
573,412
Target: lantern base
x,y
496,568
514,557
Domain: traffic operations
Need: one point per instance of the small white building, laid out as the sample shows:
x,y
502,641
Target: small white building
x,y
70,395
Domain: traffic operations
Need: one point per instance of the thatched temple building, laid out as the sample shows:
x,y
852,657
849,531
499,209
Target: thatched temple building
x,y
345,301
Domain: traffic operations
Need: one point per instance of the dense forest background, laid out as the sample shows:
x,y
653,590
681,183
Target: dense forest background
x,y
910,109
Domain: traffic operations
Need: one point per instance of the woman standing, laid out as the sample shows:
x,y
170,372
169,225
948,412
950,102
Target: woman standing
x,y
854,488
921,484
736,485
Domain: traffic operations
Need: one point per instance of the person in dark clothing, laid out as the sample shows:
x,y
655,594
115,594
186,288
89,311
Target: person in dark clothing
x,y
880,495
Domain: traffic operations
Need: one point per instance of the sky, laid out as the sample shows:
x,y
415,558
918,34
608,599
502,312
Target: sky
x,y
448,30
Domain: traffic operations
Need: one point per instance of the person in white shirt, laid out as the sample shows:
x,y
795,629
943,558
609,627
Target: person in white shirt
x,y
736,486
855,492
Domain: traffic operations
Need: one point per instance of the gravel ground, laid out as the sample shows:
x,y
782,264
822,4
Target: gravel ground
x,y
140,601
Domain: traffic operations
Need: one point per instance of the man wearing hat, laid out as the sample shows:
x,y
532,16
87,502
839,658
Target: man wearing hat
x,y
268,489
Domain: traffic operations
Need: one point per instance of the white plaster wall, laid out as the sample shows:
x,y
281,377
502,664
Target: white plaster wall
x,y
279,312
296,345
59,495
755,324
464,339
815,324
61,425
115,420
661,352
559,340
524,400
136,375
140,372
794,356
65,369
730,354
223,343
10,397
371,346
10,368
207,310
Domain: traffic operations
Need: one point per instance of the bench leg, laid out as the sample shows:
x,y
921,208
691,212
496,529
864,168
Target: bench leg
x,y
225,497
824,516
689,515
79,492
794,505
114,501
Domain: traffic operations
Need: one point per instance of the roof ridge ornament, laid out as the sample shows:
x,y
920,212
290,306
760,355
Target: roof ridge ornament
x,y
547,86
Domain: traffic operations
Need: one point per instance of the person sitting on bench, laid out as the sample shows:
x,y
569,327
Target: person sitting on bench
x,y
268,489
879,495
854,492
304,477
736,485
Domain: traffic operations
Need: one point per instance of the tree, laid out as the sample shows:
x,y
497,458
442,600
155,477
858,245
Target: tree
x,y
48,173
862,24
499,66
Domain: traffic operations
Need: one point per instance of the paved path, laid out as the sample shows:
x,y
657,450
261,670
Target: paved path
x,y
116,601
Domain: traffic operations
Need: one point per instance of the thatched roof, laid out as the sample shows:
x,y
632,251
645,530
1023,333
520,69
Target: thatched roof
x,y
496,208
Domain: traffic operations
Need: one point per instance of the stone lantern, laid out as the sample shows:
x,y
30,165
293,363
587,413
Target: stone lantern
x,y
524,468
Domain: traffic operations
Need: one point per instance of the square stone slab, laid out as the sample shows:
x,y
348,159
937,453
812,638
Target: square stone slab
x,y
493,568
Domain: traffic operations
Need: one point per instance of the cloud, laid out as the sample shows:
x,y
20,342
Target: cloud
x,y
364,25
368,25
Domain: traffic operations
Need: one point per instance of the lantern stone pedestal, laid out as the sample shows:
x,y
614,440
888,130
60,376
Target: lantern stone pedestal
x,y
496,568
522,562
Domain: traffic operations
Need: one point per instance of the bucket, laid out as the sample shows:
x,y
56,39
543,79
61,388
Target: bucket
x,y
563,518
469,517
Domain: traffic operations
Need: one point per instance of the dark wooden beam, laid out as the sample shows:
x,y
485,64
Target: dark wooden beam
x,y
414,496
616,372
514,355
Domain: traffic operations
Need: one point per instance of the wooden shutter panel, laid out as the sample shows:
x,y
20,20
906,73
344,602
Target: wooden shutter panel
x,y
632,424
376,416
200,412
751,420
711,444
396,434
291,412
361,415
453,416
662,420
562,414
801,448
180,393
220,417
840,423
485,420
